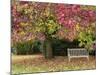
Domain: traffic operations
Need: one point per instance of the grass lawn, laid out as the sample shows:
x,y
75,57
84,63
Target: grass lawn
x,y
37,63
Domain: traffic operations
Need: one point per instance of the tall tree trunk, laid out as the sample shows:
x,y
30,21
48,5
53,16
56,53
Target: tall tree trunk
x,y
42,46
48,53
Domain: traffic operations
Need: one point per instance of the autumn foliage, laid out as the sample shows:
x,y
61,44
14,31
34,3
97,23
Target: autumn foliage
x,y
31,20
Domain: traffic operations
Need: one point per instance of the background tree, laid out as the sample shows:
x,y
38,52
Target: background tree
x,y
78,23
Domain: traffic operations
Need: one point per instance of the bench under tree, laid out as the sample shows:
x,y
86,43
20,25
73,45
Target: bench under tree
x,y
77,53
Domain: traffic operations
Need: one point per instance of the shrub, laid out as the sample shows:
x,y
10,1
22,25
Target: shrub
x,y
24,47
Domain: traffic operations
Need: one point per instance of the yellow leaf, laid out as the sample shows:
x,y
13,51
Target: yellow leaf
x,y
77,27
22,33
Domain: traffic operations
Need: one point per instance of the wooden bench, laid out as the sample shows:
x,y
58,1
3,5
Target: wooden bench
x,y
77,53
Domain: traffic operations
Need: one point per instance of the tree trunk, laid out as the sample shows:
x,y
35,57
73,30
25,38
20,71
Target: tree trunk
x,y
48,53
42,46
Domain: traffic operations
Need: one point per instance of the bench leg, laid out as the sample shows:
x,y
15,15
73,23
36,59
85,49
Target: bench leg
x,y
69,59
88,58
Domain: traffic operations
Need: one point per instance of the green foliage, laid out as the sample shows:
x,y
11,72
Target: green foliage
x,y
24,47
47,23
87,38
52,26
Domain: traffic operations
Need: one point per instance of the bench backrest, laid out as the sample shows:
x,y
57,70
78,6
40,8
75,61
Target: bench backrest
x,y
77,52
